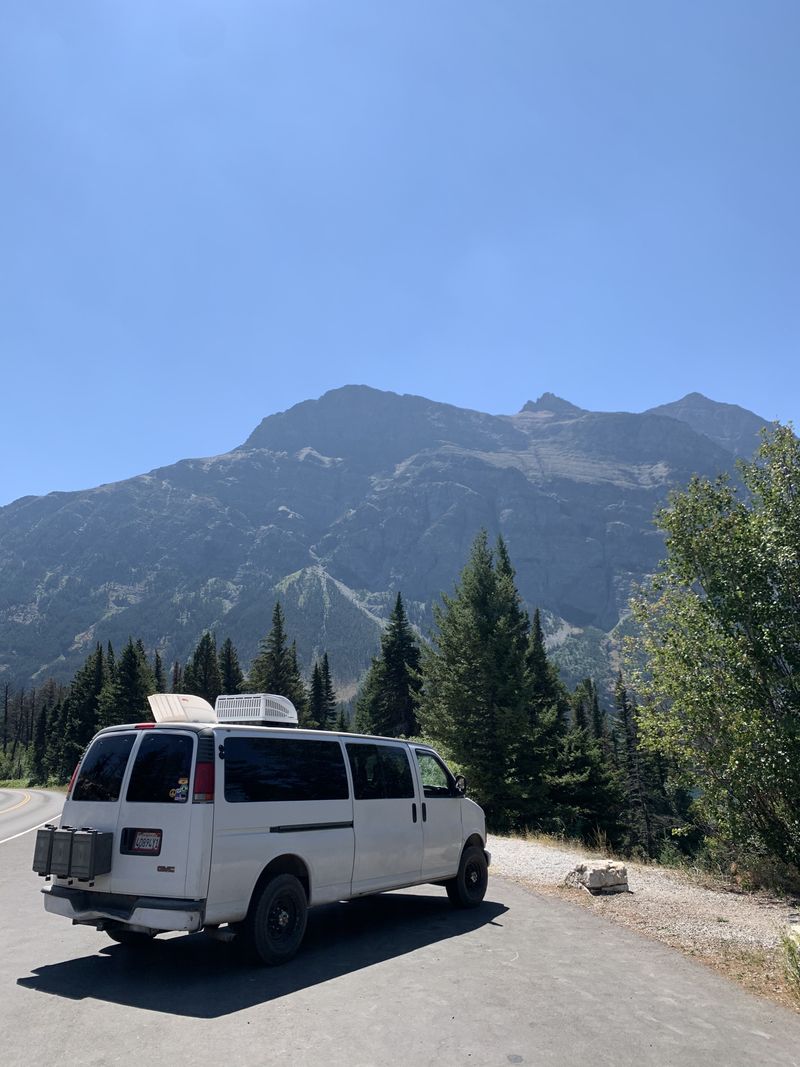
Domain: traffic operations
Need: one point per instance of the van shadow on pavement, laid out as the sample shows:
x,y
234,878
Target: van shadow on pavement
x,y
213,982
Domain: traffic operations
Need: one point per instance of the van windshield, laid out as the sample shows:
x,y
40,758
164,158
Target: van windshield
x,y
103,768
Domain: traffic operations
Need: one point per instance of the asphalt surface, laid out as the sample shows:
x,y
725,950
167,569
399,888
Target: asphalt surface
x,y
397,979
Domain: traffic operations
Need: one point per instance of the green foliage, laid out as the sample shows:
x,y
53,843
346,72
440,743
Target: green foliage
x,y
276,670
123,697
73,721
474,693
322,698
271,670
791,954
720,634
387,702
230,671
202,676
656,818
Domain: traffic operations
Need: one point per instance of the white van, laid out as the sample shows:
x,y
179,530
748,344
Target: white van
x,y
206,820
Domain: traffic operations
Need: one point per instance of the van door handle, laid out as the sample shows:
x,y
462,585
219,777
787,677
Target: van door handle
x,y
414,812
424,813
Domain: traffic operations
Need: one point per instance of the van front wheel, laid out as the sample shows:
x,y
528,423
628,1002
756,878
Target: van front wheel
x,y
276,924
468,888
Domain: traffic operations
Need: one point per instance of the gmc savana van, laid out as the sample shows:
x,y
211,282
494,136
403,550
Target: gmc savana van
x,y
208,819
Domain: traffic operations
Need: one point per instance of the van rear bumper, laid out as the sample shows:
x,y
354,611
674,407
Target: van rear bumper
x,y
97,909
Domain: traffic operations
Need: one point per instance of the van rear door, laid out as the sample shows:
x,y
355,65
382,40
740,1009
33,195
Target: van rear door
x,y
158,822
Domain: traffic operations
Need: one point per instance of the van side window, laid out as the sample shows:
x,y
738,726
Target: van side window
x,y
160,774
104,768
437,781
380,772
259,769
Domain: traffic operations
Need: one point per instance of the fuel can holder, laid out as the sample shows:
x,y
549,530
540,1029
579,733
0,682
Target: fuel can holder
x,y
82,854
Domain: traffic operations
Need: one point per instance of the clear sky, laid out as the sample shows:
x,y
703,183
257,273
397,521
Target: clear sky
x,y
212,210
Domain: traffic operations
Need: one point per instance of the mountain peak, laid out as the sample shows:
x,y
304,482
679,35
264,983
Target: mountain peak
x,y
734,428
551,402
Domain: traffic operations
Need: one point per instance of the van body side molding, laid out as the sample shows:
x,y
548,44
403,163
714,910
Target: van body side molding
x,y
296,828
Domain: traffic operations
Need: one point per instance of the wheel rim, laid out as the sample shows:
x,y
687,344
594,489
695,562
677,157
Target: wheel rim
x,y
473,878
282,919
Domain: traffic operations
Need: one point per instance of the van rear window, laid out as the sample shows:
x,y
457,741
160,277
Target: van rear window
x,y
161,772
103,768
275,769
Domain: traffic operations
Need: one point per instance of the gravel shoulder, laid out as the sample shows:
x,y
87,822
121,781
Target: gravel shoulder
x,y
738,934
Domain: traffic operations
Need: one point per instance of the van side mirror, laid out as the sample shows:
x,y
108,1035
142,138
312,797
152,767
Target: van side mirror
x,y
461,785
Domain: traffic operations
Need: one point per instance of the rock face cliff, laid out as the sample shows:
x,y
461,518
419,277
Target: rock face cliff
x,y
338,503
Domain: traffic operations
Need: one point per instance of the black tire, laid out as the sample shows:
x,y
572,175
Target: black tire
x,y
276,922
468,888
133,938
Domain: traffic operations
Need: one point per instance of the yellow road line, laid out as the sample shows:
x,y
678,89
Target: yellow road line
x,y
20,803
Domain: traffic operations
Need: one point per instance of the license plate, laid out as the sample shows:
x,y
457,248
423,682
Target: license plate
x,y
147,842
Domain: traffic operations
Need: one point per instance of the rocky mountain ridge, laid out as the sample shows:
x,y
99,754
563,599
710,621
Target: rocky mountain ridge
x,y
337,503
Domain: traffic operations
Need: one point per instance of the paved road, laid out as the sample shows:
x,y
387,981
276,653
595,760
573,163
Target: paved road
x,y
20,809
399,979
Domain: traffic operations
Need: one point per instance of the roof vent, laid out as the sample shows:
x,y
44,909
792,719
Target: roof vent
x,y
264,709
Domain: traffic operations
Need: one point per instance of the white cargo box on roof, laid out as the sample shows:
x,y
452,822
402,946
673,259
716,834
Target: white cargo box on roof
x,y
256,708
180,707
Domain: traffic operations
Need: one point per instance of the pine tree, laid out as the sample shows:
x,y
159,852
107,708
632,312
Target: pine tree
x,y
587,789
123,698
231,675
298,694
276,670
536,766
177,677
159,679
316,698
74,720
387,703
654,804
328,695
38,764
271,671
202,675
474,701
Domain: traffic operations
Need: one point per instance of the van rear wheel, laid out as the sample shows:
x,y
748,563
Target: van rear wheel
x,y
468,888
276,923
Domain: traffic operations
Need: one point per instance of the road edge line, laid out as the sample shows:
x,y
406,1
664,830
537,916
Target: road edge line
x,y
23,832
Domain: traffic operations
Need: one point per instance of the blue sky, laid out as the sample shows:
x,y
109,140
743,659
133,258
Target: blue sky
x,y
214,210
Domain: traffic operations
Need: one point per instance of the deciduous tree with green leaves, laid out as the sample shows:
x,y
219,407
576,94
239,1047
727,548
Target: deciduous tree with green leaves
x,y
719,647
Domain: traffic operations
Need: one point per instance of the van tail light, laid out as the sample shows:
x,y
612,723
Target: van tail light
x,y
72,779
203,792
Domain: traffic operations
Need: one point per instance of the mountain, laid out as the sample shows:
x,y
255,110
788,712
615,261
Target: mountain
x,y
335,505
735,429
